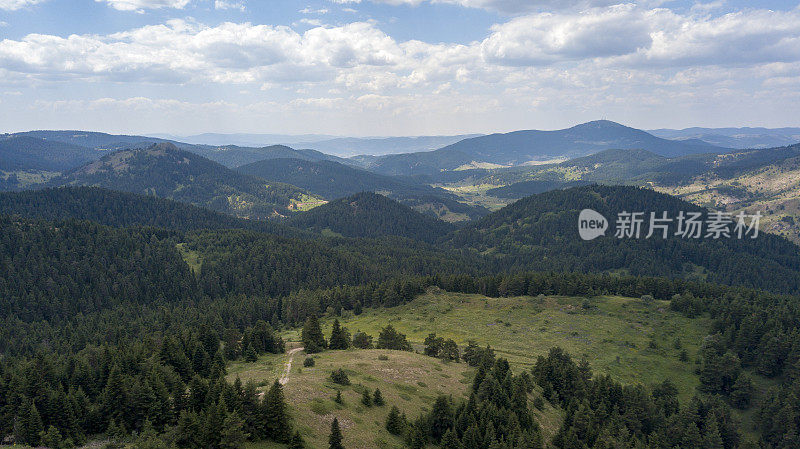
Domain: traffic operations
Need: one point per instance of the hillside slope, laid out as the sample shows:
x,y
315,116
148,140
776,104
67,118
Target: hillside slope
x,y
124,209
541,232
165,171
32,153
371,215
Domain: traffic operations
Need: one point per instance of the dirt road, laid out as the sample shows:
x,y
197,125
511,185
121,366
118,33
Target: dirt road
x,y
287,369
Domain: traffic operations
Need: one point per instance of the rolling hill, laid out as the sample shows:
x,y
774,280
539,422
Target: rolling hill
x,y
519,147
540,232
371,215
21,152
332,180
124,209
165,171
740,138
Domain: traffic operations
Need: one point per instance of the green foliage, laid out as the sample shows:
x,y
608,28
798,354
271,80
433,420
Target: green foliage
x,y
389,338
377,398
362,341
311,336
340,337
308,362
165,171
372,215
335,438
340,377
395,423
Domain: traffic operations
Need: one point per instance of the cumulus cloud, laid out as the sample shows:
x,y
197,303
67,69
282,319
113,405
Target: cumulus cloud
x,y
141,5
228,4
544,38
13,5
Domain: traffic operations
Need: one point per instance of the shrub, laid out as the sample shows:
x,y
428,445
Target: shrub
x,y
308,362
340,377
383,357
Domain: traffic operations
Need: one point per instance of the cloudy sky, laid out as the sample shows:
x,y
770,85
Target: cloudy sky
x,y
395,67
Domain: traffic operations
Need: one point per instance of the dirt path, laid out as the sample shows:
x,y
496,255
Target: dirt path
x,y
287,369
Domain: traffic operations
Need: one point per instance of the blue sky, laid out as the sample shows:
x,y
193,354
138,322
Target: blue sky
x,y
395,67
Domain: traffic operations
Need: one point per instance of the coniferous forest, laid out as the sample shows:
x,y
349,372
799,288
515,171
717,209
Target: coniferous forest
x,y
125,331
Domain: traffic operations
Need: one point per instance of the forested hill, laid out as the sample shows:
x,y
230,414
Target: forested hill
x,y
31,153
540,232
164,170
124,209
326,178
371,215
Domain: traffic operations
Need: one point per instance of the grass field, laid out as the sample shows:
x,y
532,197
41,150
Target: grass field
x,y
633,341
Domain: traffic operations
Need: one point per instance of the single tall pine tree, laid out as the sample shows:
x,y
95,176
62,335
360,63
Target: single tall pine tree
x,y
335,439
312,337
340,338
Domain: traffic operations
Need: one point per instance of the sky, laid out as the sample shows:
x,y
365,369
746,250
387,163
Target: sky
x,y
395,67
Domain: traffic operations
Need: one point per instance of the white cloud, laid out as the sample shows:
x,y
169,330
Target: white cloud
x,y
141,5
309,10
545,38
228,4
14,5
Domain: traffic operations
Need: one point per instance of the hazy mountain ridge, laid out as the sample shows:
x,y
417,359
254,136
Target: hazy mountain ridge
x,y
164,170
519,147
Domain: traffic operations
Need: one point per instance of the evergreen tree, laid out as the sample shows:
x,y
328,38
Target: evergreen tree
x,y
338,398
297,441
394,422
311,335
250,354
335,438
450,440
377,398
340,338
362,341
52,438
276,418
233,435
366,399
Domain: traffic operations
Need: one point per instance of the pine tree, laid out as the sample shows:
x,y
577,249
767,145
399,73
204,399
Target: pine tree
x,y
394,423
233,436
450,440
30,423
340,338
377,399
366,399
297,441
335,438
312,337
250,354
52,438
338,398
276,418
362,340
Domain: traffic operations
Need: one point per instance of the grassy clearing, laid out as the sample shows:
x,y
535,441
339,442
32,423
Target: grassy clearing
x,y
408,380
632,341
192,258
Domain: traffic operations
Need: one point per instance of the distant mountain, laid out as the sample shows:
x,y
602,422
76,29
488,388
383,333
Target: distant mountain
x,y
540,232
520,147
124,209
333,180
94,140
245,139
233,156
527,188
739,138
328,179
22,152
165,171
371,215
349,146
